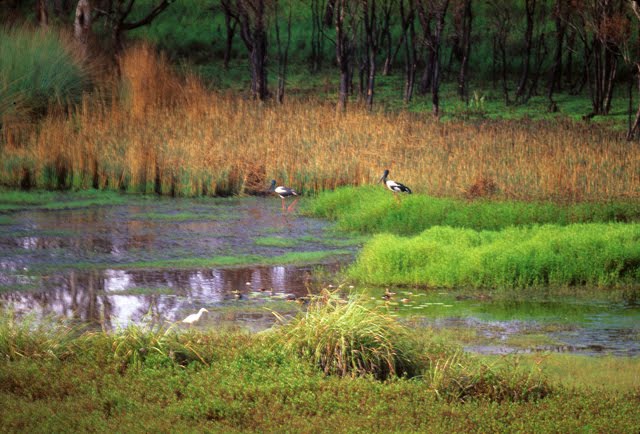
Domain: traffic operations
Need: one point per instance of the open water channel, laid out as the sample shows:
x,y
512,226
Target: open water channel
x,y
242,259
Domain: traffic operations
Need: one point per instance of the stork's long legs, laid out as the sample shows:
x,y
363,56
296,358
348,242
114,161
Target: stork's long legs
x,y
293,204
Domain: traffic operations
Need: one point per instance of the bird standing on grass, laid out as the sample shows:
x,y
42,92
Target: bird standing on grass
x,y
396,187
194,317
284,192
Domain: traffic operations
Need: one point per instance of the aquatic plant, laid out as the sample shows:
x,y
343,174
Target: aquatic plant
x,y
344,338
596,254
237,147
373,210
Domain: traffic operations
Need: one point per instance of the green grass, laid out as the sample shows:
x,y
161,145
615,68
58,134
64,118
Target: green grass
x,y
276,242
373,209
148,378
15,200
311,257
36,70
594,254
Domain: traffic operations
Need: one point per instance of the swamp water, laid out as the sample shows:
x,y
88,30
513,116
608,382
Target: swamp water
x,y
162,259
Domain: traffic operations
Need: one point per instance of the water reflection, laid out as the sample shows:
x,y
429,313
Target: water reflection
x,y
115,298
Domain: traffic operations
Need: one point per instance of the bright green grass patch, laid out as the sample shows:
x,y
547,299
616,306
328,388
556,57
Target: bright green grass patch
x,y
276,242
180,216
373,209
15,200
582,254
231,261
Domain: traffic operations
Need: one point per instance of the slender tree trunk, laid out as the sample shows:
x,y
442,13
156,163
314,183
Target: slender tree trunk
x,y
435,81
635,127
82,26
555,76
530,6
342,51
42,13
466,48
231,23
283,53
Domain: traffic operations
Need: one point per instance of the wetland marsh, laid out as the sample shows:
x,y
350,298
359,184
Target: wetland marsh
x,y
109,260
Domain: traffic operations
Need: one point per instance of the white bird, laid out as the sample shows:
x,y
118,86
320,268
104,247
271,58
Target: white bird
x,y
283,192
194,317
396,187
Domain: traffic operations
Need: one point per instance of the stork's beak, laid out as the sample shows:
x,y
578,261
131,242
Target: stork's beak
x,y
380,180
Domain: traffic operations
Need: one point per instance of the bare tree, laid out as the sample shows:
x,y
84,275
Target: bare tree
x,y
530,9
407,15
117,13
501,23
462,23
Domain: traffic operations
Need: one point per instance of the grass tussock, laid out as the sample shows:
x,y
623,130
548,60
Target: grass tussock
x,y
549,255
38,70
347,339
147,378
158,133
374,210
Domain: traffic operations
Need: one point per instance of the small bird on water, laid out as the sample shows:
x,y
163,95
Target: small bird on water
x,y
194,317
284,192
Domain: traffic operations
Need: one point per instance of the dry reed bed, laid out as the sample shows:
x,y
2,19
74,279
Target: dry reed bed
x,y
175,137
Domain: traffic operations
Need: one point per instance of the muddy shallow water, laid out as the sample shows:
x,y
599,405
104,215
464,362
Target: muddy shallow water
x,y
163,259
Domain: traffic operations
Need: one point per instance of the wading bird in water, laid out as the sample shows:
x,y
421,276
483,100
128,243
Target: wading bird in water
x,y
194,317
396,187
284,192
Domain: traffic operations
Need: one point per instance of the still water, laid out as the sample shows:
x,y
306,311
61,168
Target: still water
x,y
111,266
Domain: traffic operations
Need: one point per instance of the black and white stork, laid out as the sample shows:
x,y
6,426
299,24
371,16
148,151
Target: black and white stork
x,y
284,192
396,187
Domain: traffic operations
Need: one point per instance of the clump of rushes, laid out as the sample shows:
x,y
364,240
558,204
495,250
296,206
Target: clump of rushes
x,y
27,337
458,376
596,254
371,210
345,338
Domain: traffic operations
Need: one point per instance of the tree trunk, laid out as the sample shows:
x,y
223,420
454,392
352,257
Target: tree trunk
x,y
253,32
530,7
82,27
230,23
42,13
466,48
342,52
371,48
435,81
283,54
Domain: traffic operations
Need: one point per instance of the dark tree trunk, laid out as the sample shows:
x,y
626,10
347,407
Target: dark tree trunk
x,y
283,53
435,81
409,37
317,36
251,15
385,35
82,26
343,51
530,7
555,77
465,48
425,16
231,24
371,31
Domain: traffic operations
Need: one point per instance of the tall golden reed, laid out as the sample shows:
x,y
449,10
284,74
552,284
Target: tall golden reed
x,y
159,133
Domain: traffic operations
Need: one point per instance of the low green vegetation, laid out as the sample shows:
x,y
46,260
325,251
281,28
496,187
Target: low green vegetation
x,y
312,257
276,242
36,70
373,209
145,378
16,200
595,254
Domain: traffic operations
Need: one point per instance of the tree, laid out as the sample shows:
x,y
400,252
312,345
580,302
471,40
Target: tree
x,y
283,52
343,11
117,13
435,10
253,30
634,127
462,24
82,26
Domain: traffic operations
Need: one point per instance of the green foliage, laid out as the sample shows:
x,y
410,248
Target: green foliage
x,y
549,255
36,70
236,382
348,339
28,338
372,210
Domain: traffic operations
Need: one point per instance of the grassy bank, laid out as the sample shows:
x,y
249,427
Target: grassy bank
x,y
174,137
373,209
148,379
550,255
